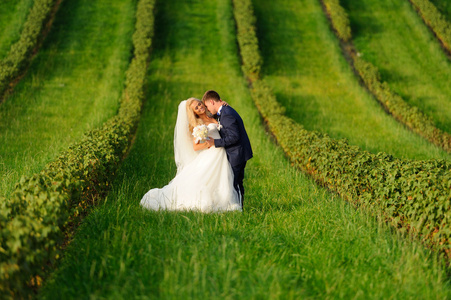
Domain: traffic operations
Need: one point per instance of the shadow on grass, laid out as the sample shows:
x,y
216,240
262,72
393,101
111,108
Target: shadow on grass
x,y
301,108
279,55
370,24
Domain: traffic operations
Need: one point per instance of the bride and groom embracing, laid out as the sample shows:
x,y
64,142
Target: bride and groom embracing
x,y
210,153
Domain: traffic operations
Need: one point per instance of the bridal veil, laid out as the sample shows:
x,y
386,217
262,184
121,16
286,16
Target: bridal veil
x,y
183,142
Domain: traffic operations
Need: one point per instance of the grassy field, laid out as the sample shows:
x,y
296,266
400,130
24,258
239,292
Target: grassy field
x,y
73,85
304,65
13,15
294,240
391,35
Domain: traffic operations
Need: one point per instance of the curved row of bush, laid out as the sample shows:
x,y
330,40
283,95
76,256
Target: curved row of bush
x,y
435,20
33,219
339,19
252,62
21,52
410,116
414,195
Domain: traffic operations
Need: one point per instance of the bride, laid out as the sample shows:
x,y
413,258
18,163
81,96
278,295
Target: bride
x,y
204,179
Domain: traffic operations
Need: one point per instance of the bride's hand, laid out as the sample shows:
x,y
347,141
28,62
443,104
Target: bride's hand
x,y
224,103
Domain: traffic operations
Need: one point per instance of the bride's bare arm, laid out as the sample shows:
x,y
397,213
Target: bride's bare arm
x,y
199,146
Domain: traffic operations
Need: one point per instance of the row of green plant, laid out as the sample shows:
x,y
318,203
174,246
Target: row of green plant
x,y
21,52
413,195
435,20
251,64
73,85
14,14
35,218
339,19
411,116
443,6
295,240
394,104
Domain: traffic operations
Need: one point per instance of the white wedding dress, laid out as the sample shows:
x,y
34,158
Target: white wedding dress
x,y
203,183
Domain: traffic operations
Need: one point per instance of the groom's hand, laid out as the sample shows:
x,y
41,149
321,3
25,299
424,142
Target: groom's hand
x,y
210,142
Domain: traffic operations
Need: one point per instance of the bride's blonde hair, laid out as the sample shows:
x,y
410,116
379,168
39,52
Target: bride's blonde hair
x,y
193,118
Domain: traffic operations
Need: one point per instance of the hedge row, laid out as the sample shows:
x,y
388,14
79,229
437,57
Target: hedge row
x,y
339,19
410,116
34,219
414,195
21,52
435,20
252,62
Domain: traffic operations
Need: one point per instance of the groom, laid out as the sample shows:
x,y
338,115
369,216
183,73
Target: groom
x,y
234,138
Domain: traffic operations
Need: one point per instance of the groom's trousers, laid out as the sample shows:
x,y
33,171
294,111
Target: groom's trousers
x,y
238,176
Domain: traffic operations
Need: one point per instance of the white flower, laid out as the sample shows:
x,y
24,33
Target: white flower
x,y
200,132
219,126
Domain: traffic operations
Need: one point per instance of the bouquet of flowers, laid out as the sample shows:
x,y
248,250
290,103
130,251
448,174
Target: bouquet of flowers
x,y
200,132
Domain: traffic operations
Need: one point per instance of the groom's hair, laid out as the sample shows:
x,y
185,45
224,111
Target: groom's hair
x,y
211,95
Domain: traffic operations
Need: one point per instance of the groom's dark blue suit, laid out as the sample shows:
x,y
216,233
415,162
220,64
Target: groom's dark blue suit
x,y
236,143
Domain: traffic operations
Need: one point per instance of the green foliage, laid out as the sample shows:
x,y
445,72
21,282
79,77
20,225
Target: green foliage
x,y
410,116
247,40
72,86
435,20
32,220
307,71
14,14
294,240
414,195
339,19
20,53
264,99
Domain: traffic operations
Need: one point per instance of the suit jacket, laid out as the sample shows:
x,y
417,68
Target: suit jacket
x,y
234,137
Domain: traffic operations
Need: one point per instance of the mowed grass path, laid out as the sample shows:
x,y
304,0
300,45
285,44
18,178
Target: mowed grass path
x,y
391,35
304,65
73,85
294,240
13,14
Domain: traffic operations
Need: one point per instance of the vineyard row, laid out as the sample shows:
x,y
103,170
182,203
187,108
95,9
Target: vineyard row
x,y
435,20
21,52
414,195
410,116
34,219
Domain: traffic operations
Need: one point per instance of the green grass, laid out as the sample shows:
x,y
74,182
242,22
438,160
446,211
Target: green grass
x,y
13,15
294,240
305,67
444,6
73,85
391,35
